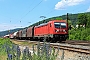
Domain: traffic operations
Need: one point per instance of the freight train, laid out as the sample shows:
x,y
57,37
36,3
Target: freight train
x,y
54,30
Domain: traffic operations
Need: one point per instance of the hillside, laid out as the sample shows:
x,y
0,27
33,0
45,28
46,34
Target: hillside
x,y
72,17
8,32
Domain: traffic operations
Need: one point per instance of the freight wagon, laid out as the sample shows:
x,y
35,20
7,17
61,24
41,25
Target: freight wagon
x,y
30,33
24,34
19,34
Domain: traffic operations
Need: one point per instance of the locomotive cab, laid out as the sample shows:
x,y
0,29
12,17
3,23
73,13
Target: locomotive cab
x,y
59,29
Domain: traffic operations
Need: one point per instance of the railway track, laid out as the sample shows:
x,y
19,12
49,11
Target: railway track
x,y
74,48
74,42
65,46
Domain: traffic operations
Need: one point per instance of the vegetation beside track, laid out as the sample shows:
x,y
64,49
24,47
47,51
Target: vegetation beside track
x,y
3,54
79,34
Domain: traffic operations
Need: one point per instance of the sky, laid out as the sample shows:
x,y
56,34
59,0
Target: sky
x,y
23,13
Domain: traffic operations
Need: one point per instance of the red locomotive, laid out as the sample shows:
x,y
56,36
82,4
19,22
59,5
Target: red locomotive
x,y
53,30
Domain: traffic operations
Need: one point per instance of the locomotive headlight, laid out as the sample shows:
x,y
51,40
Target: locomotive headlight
x,y
56,30
64,30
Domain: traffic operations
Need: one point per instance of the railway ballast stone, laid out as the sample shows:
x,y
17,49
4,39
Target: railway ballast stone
x,y
69,55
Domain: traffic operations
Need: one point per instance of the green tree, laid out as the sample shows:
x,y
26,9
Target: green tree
x,y
82,19
69,22
88,22
70,26
58,18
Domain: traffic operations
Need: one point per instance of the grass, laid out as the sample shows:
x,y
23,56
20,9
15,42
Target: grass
x,y
3,55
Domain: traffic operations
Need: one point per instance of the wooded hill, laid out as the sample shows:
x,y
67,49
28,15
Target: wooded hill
x,y
2,33
72,17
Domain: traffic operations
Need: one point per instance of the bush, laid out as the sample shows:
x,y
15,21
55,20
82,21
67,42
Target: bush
x,y
3,43
88,38
79,34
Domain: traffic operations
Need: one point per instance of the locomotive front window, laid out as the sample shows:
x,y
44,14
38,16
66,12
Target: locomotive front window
x,y
60,25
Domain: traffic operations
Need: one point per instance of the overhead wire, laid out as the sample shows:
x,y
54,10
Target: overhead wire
x,y
28,7
48,12
32,9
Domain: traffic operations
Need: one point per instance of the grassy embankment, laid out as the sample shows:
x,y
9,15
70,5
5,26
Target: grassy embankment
x,y
3,54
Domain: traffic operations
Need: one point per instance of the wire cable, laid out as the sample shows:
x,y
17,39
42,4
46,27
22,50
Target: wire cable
x,y
32,9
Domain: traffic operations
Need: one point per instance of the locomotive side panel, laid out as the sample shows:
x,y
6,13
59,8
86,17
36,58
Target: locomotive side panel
x,y
41,31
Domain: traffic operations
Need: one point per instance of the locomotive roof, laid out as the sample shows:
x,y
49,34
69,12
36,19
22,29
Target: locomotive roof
x,y
41,24
59,20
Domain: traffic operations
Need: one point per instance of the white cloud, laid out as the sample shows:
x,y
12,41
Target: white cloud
x,y
66,3
88,10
